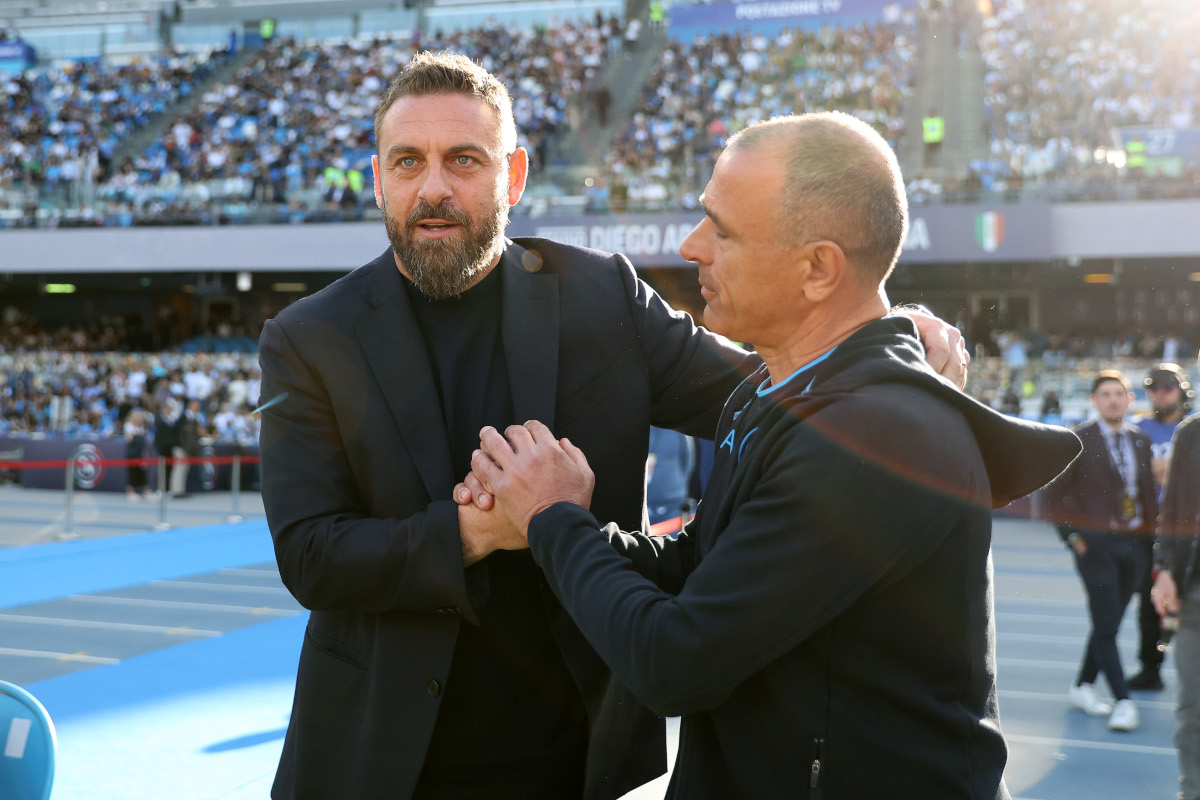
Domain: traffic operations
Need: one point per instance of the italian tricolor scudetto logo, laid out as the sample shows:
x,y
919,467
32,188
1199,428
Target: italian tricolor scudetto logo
x,y
989,230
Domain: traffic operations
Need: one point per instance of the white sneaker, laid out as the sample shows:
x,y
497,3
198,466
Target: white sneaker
x,y
1084,698
1124,716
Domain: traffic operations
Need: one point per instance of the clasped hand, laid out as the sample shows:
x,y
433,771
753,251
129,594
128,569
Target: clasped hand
x,y
526,471
945,348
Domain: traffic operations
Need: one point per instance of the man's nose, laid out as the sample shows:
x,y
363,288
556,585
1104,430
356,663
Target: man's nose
x,y
436,186
692,247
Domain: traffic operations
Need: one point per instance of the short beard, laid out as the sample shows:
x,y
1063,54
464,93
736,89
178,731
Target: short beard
x,y
443,268
1161,414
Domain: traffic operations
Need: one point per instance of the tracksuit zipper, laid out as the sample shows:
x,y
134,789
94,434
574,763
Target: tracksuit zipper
x,y
814,780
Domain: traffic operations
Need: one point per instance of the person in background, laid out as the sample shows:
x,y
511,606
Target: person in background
x,y
190,428
1051,412
166,435
136,434
1170,394
1105,505
668,471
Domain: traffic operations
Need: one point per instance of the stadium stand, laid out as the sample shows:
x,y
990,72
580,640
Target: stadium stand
x,y
282,133
290,131
83,380
702,91
1064,77
76,394
286,137
63,122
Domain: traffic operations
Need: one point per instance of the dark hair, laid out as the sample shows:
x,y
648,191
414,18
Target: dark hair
x,y
450,73
841,182
1167,371
1105,375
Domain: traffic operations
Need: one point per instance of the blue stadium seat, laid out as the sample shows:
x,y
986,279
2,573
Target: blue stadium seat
x,y
28,746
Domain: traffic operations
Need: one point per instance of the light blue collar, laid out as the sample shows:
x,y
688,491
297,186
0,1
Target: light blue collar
x,y
765,389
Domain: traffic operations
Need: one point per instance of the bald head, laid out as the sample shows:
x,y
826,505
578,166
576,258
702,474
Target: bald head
x,y
841,183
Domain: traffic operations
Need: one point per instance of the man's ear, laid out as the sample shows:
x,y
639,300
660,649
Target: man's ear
x,y
378,185
826,269
518,171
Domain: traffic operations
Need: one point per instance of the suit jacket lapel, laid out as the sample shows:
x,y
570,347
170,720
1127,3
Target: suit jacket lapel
x,y
529,331
395,349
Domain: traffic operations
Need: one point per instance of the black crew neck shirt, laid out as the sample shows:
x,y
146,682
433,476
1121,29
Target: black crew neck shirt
x,y
511,721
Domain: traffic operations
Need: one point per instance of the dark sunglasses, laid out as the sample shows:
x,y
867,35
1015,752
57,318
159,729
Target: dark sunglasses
x,y
1162,387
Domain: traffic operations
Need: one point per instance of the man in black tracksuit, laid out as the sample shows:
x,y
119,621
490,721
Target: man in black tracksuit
x,y
1176,593
824,627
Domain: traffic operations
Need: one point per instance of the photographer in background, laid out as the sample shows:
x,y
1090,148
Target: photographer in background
x,y
1170,396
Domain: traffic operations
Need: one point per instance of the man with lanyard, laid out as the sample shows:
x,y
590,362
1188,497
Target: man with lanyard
x,y
1170,395
1104,505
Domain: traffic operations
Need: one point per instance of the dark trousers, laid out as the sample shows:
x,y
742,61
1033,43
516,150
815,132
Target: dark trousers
x,y
1149,623
561,780
1111,572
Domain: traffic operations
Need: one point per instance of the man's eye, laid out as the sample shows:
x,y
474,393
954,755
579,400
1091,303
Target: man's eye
x,y
464,161
408,161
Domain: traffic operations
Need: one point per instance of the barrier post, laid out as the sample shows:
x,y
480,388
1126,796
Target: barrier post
x,y
685,514
162,523
68,531
236,488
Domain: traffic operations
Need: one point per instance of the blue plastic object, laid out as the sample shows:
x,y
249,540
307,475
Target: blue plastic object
x,y
28,746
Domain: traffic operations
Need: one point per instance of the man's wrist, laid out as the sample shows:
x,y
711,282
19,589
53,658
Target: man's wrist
x,y
556,515
474,546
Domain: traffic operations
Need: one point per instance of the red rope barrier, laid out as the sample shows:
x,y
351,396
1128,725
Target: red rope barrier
x,y
130,462
668,526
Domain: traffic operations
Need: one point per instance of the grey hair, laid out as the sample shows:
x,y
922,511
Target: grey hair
x,y
841,182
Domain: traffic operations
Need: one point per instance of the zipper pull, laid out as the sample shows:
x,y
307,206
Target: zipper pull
x,y
815,770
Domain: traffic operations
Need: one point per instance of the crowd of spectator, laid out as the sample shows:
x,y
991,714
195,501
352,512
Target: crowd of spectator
x,y
291,130
1061,75
84,381
1057,347
22,333
80,394
62,123
288,137
703,91
1047,374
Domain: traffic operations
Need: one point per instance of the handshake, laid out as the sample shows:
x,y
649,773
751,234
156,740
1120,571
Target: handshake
x,y
513,477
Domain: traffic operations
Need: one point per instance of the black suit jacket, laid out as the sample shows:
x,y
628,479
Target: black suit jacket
x,y
1087,496
356,480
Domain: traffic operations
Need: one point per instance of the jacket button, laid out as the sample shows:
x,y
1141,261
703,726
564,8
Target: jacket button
x,y
433,687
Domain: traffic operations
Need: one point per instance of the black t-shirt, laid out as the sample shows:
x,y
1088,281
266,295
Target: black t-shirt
x,y
511,719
